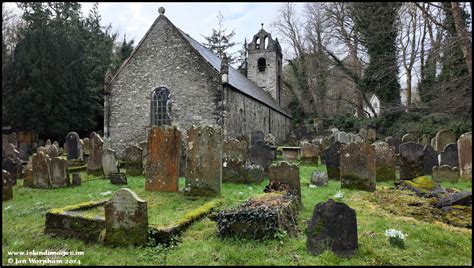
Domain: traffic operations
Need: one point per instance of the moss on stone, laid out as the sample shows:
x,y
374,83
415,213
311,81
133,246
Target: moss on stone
x,y
196,213
460,216
80,206
423,183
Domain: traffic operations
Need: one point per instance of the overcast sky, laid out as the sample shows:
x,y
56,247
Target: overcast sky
x,y
195,19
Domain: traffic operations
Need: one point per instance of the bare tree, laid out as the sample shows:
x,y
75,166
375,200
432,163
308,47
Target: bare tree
x,y
463,35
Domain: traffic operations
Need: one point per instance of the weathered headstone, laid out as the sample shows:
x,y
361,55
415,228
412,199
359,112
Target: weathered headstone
x,y
253,173
126,219
109,162
332,160
132,157
12,167
424,140
53,151
443,138
358,166
408,137
449,156
94,162
86,149
162,167
47,144
358,138
261,154
445,173
465,155
371,135
76,179
395,142
234,159
118,178
256,136
430,159
364,133
286,173
333,226
107,144
41,171
57,172
342,137
319,178
73,146
144,146
309,153
384,161
204,161
291,152
23,152
411,160
7,191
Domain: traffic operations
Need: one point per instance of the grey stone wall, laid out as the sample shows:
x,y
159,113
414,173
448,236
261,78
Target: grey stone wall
x,y
265,79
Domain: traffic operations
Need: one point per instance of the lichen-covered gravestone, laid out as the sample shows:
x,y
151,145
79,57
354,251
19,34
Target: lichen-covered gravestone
x,y
73,146
286,173
465,155
204,161
57,172
333,226
86,149
94,162
371,135
319,178
445,173
332,160
7,192
126,219
132,157
384,161
342,137
358,166
309,153
41,171
430,159
109,162
256,136
234,158
443,138
393,141
162,167
53,151
449,156
411,160
408,137
261,154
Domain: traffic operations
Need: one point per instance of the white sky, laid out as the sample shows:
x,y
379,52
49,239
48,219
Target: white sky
x,y
194,18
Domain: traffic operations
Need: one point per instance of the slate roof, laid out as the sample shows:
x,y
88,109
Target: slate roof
x,y
236,79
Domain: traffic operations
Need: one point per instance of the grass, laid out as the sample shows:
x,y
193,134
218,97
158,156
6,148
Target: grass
x,y
426,244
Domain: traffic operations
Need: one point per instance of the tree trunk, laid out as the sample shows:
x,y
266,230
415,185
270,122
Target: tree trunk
x,y
463,35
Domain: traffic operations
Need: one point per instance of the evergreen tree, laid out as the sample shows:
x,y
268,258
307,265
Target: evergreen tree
x,y
219,42
242,59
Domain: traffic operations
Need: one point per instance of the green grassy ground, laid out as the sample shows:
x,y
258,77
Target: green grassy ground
x,y
426,244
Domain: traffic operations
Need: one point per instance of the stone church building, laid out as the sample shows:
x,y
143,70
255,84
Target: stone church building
x,y
171,79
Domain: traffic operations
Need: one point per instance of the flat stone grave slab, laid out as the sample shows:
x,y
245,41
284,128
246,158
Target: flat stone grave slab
x,y
291,152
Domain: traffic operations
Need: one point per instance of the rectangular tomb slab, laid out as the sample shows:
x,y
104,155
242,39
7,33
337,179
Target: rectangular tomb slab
x,y
291,153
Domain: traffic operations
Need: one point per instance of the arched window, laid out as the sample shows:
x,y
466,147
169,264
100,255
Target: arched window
x,y
160,107
262,64
265,42
257,43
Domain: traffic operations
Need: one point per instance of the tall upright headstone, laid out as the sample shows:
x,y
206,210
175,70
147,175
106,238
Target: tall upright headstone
x,y
109,162
261,154
286,173
162,161
443,138
384,161
411,160
73,146
358,166
430,159
132,157
234,160
332,160
7,191
57,172
41,171
309,153
465,155
94,162
449,156
204,161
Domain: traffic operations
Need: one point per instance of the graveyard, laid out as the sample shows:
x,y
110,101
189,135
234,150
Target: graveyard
x,y
206,229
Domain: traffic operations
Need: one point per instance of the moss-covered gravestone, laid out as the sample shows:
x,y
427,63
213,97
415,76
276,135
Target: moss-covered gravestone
x,y
445,173
234,158
333,226
358,166
126,219
162,166
309,153
94,161
7,192
465,155
132,157
384,161
286,173
332,160
204,161
411,160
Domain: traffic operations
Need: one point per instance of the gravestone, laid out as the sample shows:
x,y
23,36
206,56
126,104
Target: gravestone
x,y
41,171
28,180
23,152
256,136
107,144
358,166
56,143
144,146
449,156
94,162
73,146
465,155
385,159
86,149
411,160
319,178
424,140
395,142
13,139
364,133
204,161
7,190
433,142
371,135
47,144
109,162
253,173
430,159
333,226
332,160
342,137
162,161
76,179
57,172
118,178
132,156
443,138
261,154
286,173
126,219
12,167
445,173
291,152
408,137
234,159
309,153
358,138
53,151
